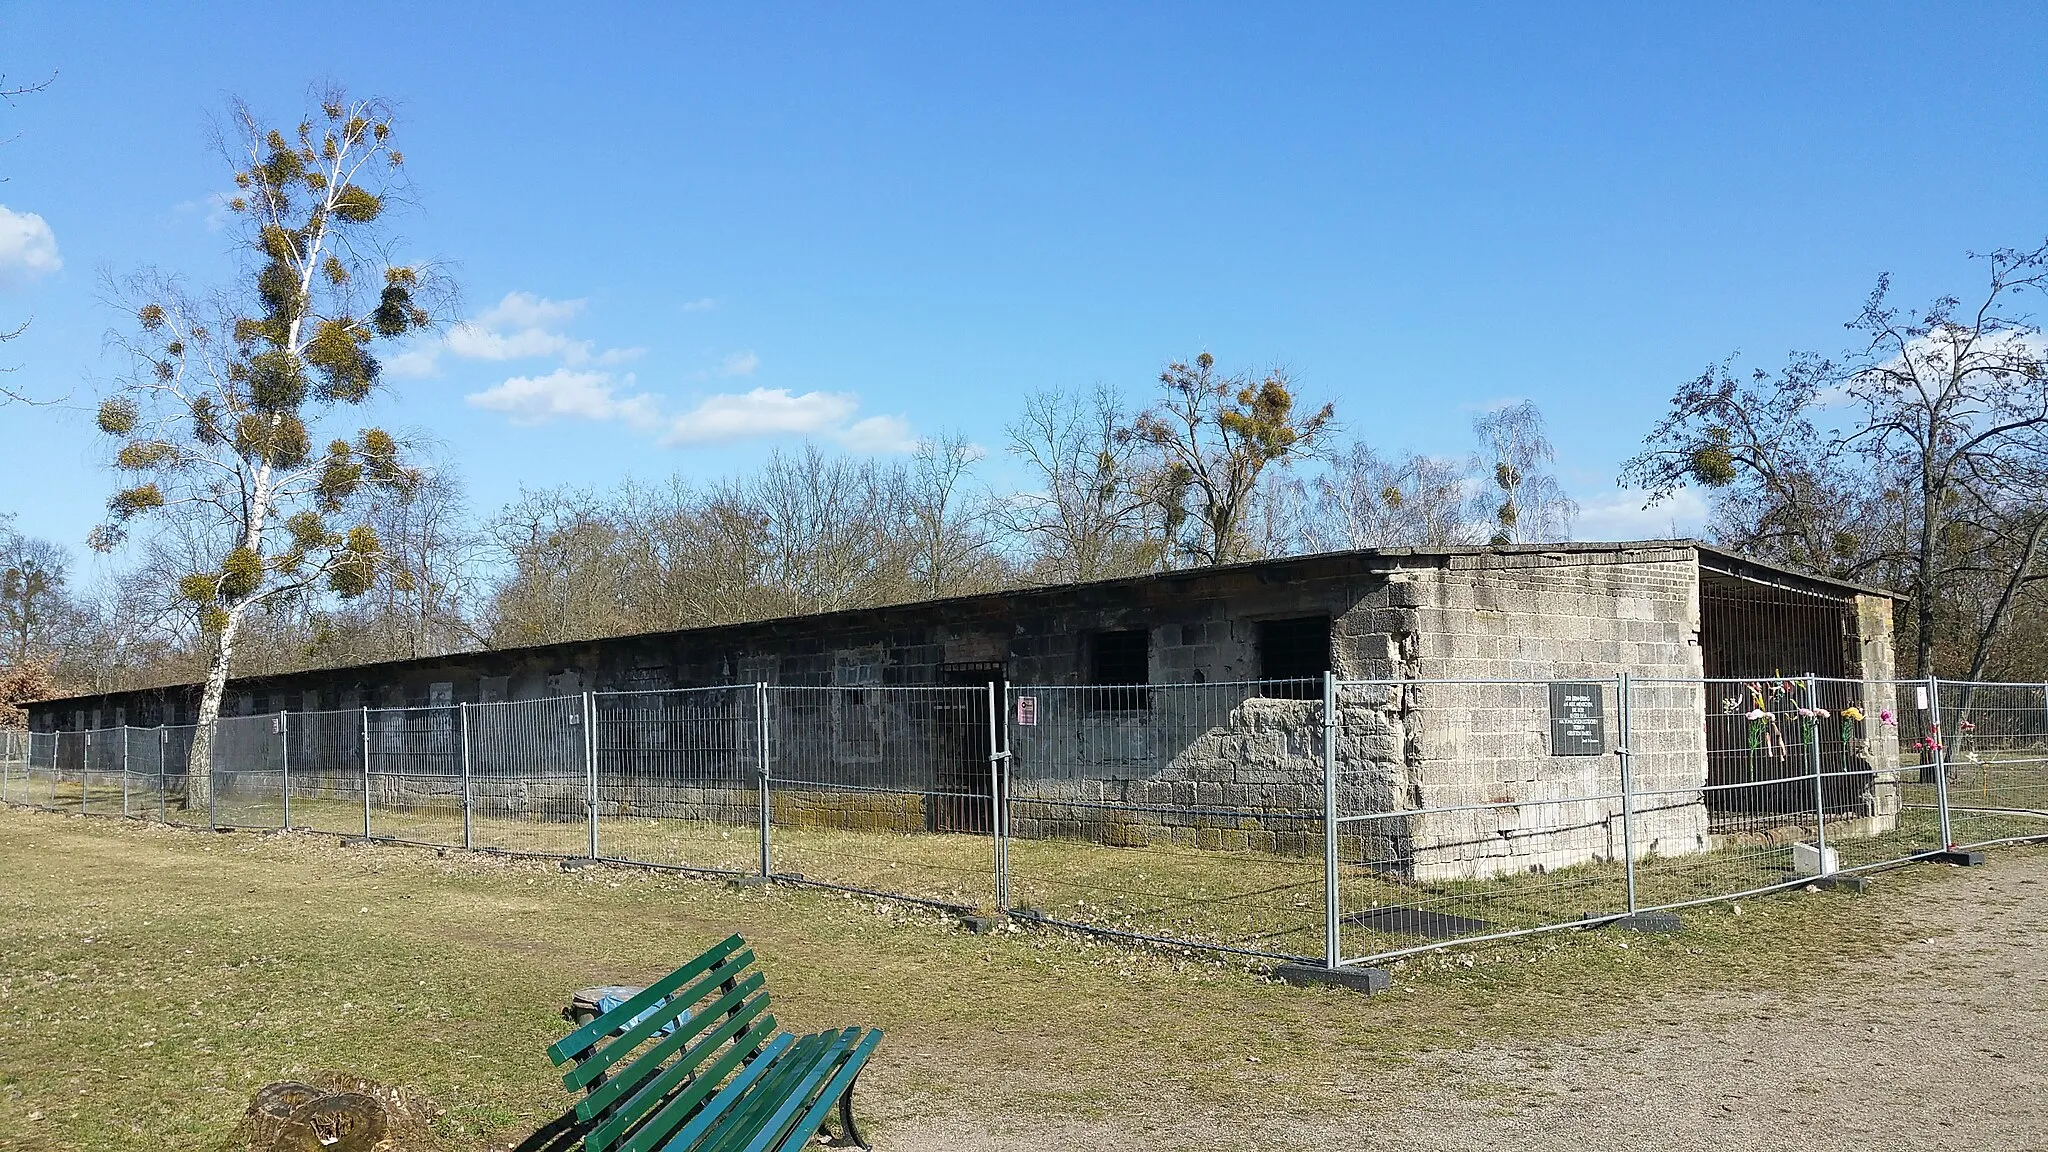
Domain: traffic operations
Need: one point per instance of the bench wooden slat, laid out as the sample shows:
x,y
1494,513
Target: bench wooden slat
x,y
731,1017
721,1102
821,1106
761,1104
657,1090
791,1101
579,1041
700,1019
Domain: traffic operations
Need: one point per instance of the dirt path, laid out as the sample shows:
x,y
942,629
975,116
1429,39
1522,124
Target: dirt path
x,y
1943,1046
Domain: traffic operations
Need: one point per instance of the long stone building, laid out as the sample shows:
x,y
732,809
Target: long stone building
x,y
1186,704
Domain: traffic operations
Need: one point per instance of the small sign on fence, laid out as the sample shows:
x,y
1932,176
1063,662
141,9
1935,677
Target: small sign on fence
x,y
1027,711
1577,725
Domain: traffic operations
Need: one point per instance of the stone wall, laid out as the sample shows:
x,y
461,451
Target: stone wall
x,y
1490,631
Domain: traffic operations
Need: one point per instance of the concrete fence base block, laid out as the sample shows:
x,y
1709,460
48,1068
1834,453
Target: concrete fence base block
x,y
1843,882
979,925
1957,857
1635,921
578,863
356,842
746,882
1368,981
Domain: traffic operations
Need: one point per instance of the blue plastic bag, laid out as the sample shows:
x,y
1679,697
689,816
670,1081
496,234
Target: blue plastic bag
x,y
608,1002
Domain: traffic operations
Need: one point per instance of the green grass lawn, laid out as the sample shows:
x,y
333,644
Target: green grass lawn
x,y
1257,901
153,977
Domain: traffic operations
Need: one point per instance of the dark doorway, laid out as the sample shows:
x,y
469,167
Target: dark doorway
x,y
964,800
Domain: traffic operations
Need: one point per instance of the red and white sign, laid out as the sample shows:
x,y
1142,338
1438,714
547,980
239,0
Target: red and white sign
x,y
1027,711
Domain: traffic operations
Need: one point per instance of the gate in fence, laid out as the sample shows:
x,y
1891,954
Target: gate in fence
x,y
1332,822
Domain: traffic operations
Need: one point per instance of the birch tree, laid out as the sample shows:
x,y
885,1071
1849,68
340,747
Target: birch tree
x,y
232,425
1526,504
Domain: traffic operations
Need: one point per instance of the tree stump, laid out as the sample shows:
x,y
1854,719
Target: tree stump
x,y
347,1114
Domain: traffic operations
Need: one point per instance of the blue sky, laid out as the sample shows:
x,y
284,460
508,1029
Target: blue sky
x,y
862,223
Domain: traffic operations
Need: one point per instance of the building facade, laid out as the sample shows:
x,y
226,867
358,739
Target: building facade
x,y
1187,705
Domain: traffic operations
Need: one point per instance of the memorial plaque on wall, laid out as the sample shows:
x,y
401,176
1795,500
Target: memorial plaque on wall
x,y
1577,726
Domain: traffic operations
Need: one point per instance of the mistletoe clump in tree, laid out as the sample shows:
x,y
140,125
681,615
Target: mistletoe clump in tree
x,y
220,426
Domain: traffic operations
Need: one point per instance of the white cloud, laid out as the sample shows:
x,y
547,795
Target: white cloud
x,y
700,304
475,340
526,310
522,326
762,412
564,393
28,249
879,434
739,364
1621,516
415,363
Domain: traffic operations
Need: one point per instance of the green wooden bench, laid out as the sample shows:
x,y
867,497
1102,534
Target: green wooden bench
x,y
694,1062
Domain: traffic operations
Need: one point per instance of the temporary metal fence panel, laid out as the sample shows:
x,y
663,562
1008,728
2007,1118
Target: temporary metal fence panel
x,y
99,776
1993,743
414,775
1745,772
680,777
248,772
1884,806
32,782
323,769
1465,813
68,771
1186,813
13,763
184,805
885,790
147,796
529,776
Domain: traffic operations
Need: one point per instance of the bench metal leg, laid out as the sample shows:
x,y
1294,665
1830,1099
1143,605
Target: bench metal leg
x,y
849,1132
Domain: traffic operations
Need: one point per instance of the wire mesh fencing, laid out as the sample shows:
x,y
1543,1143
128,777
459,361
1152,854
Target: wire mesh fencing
x,y
1188,813
530,777
1338,822
886,790
680,778
1463,815
1991,742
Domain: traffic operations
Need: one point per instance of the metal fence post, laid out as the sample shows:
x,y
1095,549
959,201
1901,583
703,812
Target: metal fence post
x,y
590,765
284,763
1940,750
163,787
1624,700
366,772
1820,795
85,774
124,770
767,810
996,721
462,725
1333,945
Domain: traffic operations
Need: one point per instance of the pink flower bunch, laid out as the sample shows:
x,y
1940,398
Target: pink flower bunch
x,y
1885,717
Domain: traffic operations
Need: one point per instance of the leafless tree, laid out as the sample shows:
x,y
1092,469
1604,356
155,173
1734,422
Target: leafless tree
x,y
1087,515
